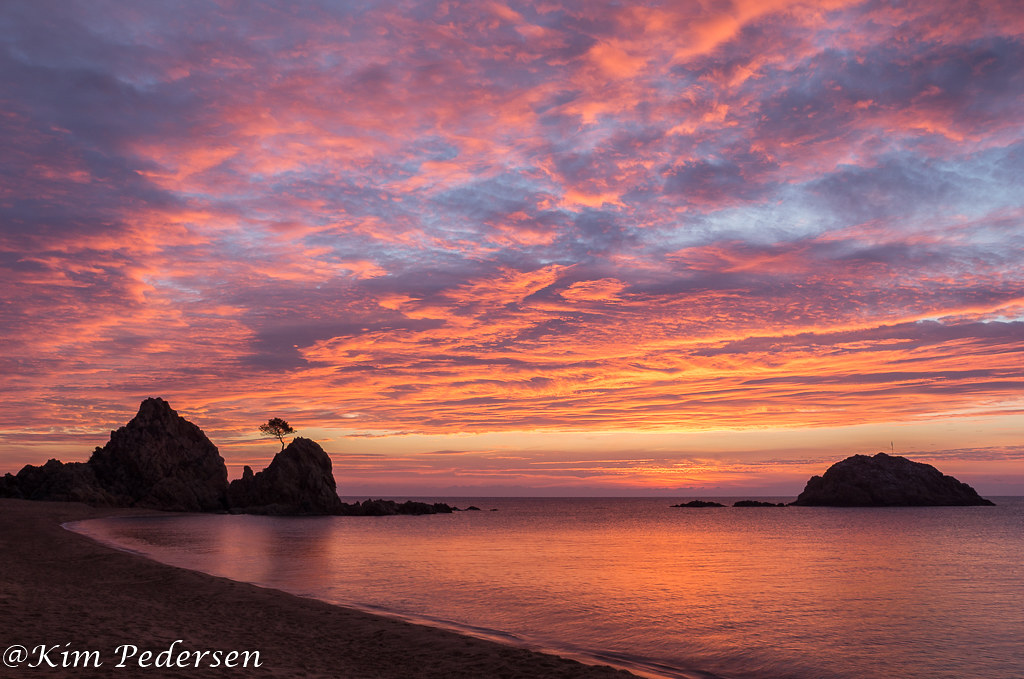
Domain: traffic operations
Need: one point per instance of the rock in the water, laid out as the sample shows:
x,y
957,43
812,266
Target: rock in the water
x,y
700,503
299,480
163,461
757,503
886,481
391,508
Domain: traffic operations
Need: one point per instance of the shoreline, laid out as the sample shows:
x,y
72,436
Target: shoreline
x,y
68,599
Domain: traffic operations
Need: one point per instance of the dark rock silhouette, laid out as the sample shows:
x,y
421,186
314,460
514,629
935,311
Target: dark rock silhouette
x,y
700,503
158,460
59,482
886,481
392,508
757,503
162,461
299,480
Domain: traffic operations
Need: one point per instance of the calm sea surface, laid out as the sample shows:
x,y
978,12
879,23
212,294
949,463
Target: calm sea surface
x,y
791,592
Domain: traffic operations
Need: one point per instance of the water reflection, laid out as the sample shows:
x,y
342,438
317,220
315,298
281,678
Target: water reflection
x,y
759,592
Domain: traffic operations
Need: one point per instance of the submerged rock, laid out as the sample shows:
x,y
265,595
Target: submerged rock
x,y
886,481
299,480
757,503
162,461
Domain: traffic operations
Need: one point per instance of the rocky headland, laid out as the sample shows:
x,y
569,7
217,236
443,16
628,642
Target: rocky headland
x,y
160,460
886,481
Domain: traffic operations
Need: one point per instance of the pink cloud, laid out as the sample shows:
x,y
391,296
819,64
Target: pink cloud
x,y
501,216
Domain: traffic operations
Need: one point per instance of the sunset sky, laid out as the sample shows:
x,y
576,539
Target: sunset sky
x,y
520,248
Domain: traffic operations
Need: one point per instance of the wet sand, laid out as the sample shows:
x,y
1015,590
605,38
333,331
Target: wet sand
x,y
67,593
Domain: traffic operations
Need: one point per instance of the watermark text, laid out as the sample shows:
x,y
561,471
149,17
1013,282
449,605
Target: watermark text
x,y
127,655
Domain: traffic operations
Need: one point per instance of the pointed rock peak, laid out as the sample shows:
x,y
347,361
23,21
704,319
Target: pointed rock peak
x,y
155,410
161,460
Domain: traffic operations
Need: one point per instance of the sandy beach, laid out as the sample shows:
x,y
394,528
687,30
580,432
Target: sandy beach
x,y
65,598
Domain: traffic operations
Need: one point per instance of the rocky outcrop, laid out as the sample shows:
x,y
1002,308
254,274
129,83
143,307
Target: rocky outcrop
x,y
59,482
757,503
886,481
299,480
162,461
699,504
392,508
158,460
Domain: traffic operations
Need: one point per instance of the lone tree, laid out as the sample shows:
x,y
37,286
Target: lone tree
x,y
277,428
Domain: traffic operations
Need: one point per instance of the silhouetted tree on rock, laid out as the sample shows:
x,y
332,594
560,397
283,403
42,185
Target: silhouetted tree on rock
x,y
277,428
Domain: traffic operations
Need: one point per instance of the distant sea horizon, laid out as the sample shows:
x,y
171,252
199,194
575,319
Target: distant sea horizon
x,y
735,593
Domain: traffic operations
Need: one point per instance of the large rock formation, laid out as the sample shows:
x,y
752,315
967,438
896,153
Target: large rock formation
x,y
299,480
886,481
163,461
158,460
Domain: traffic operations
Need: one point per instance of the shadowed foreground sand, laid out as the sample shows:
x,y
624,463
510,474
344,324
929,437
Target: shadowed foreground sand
x,y
58,588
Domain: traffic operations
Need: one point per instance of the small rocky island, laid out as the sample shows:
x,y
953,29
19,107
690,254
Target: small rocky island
x,y
160,460
886,481
698,504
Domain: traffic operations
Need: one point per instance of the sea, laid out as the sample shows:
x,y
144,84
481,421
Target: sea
x,y
665,592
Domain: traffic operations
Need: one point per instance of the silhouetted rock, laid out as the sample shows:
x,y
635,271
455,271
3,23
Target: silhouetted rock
x,y
757,503
392,508
472,508
299,480
700,503
58,482
886,481
158,460
162,461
